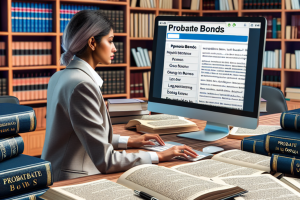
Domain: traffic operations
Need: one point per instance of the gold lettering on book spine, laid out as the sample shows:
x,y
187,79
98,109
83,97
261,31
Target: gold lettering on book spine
x,y
275,163
267,144
254,143
32,197
31,121
292,166
282,120
48,174
18,124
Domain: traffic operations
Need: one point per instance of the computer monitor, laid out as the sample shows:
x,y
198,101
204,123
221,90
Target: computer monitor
x,y
208,68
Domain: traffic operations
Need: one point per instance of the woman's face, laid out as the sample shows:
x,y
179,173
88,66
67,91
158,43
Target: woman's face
x,y
105,52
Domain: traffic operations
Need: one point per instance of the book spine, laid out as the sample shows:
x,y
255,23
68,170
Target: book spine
x,y
18,123
290,121
285,164
34,195
30,177
11,147
282,145
254,146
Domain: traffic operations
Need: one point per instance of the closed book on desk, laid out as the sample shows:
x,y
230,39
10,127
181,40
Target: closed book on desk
x,y
290,120
33,195
286,164
15,118
283,142
254,144
11,147
162,124
159,182
24,174
117,105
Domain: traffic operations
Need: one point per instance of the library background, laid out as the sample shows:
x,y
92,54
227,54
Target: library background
x,y
31,34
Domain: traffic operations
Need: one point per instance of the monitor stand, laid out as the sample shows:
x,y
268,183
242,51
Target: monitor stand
x,y
212,132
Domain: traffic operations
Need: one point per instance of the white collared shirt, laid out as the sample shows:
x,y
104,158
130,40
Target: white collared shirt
x,y
123,140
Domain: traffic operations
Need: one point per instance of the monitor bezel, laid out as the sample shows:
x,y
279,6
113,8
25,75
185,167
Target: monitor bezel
x,y
262,36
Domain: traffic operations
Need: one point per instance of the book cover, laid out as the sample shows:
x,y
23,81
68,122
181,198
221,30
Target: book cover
x,y
11,147
32,195
16,118
24,173
286,164
290,120
254,144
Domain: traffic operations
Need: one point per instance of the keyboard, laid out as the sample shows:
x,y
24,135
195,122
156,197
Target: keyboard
x,y
169,144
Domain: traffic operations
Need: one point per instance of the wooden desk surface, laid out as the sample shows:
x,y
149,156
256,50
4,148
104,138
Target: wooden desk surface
x,y
225,143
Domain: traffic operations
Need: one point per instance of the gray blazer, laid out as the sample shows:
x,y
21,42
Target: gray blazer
x,y
79,139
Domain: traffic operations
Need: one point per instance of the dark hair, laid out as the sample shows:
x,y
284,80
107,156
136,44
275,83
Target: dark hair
x,y
83,25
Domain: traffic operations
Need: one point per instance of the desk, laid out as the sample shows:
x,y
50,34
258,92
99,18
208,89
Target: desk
x,y
225,143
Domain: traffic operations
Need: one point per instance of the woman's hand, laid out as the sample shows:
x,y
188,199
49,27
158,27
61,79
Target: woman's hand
x,y
176,151
142,140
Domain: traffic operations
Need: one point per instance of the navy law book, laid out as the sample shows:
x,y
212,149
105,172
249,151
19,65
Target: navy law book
x,y
254,144
11,147
15,118
287,164
34,195
290,120
23,174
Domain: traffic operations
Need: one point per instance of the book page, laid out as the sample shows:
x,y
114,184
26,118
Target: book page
x,y
292,182
260,130
96,190
213,168
166,184
159,117
245,159
261,187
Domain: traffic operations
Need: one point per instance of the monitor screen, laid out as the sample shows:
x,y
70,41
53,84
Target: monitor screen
x,y
212,64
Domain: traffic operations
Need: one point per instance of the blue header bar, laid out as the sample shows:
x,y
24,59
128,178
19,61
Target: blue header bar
x,y
227,38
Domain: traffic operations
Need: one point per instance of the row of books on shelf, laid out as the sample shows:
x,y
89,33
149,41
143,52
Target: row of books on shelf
x,y
292,93
30,86
272,80
139,84
113,81
143,3
67,11
24,177
292,60
142,57
32,53
3,86
272,59
220,5
292,4
166,4
31,17
119,55
142,24
191,4
40,113
2,53
262,4
293,31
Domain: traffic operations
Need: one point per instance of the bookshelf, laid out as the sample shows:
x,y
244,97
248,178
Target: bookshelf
x,y
34,140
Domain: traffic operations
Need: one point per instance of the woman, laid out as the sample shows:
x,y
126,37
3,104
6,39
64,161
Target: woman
x,y
79,139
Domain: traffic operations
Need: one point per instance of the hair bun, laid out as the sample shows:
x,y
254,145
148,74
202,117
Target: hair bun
x,y
66,57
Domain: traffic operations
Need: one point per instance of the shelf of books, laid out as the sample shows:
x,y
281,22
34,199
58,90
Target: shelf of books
x,y
31,32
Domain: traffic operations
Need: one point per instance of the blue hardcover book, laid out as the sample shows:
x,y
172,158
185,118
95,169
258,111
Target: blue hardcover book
x,y
13,17
43,18
32,21
62,18
39,17
283,142
286,164
254,144
15,118
32,195
69,15
36,18
11,147
51,18
47,17
290,120
24,173
72,11
217,4
24,15
28,17
274,30
16,17
20,13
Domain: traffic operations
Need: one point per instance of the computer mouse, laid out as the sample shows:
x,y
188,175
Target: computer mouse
x,y
212,149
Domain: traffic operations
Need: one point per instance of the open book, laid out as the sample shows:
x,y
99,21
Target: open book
x,y
162,124
160,182
241,133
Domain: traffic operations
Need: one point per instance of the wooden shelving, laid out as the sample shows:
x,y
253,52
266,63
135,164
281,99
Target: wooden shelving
x,y
33,102
140,68
34,67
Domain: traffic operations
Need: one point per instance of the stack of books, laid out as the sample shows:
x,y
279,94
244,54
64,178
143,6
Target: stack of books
x,y
263,4
2,54
22,177
143,3
292,93
31,17
113,81
282,144
272,80
272,59
123,110
139,84
142,57
293,31
3,86
292,60
167,4
220,5
142,25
